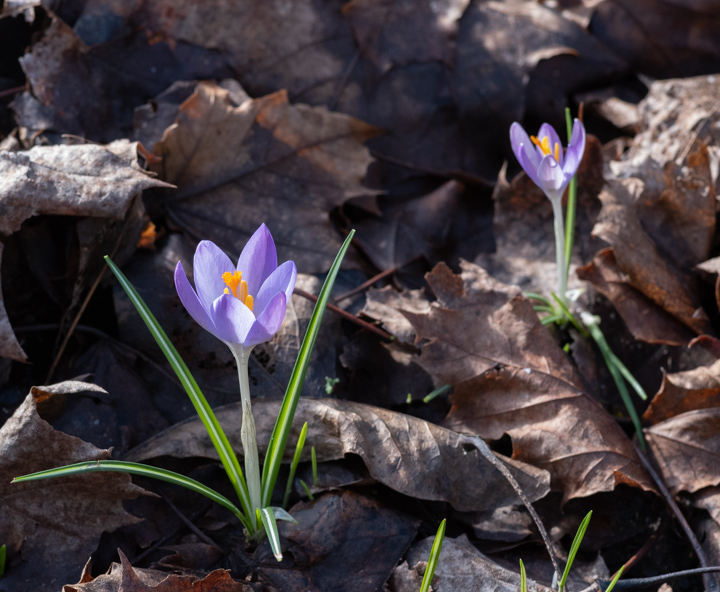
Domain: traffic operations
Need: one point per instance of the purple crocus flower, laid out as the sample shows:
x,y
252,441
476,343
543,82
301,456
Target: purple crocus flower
x,y
543,159
241,305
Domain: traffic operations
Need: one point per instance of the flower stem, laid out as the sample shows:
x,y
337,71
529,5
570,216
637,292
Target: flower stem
x,y
560,247
247,432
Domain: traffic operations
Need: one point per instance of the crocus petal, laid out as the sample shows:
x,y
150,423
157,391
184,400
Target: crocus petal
x,y
280,280
521,144
575,150
268,322
550,178
209,264
528,166
233,320
190,300
258,259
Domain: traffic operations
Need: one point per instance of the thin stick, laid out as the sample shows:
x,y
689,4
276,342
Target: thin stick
x,y
89,295
710,584
348,316
488,454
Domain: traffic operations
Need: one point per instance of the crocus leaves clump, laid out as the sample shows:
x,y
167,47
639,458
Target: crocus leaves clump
x,y
243,304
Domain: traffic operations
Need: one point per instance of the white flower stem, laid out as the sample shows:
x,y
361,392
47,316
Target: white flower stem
x,y
560,247
247,432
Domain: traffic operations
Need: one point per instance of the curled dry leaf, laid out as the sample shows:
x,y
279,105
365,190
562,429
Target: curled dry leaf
x,y
409,455
643,318
462,568
659,205
478,322
51,527
385,305
263,161
685,391
84,180
9,345
552,425
124,577
343,542
686,448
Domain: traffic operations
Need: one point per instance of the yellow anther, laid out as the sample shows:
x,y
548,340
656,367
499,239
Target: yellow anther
x,y
545,147
238,286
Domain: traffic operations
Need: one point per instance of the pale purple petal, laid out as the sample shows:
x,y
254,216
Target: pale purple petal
x,y
268,322
551,178
233,320
577,138
521,144
258,259
190,300
572,161
209,264
528,167
280,280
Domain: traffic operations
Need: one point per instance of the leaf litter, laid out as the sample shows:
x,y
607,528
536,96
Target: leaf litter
x,y
315,118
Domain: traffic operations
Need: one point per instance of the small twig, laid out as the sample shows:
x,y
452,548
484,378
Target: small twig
x,y
643,582
348,316
488,454
11,91
710,584
372,280
89,295
200,534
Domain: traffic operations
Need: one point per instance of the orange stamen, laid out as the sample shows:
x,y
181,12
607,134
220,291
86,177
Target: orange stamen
x,y
238,286
545,147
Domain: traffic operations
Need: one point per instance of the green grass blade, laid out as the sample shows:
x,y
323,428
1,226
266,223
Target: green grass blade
x,y
304,485
627,375
313,461
218,437
574,549
3,554
571,206
280,433
282,514
294,465
119,466
539,298
433,559
436,393
523,577
267,517
615,579
569,316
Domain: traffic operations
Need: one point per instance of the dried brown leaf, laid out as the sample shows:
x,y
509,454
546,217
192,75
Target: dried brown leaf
x,y
124,577
343,542
643,318
552,425
264,161
479,322
392,33
462,568
51,527
409,455
9,345
685,391
686,448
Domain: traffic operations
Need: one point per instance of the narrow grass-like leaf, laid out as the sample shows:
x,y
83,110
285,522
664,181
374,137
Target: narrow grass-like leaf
x,y
282,514
523,577
313,461
218,437
539,297
267,517
552,319
304,485
436,393
295,462
433,559
615,579
543,308
571,205
574,549
119,466
627,375
569,316
3,554
278,440
617,375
